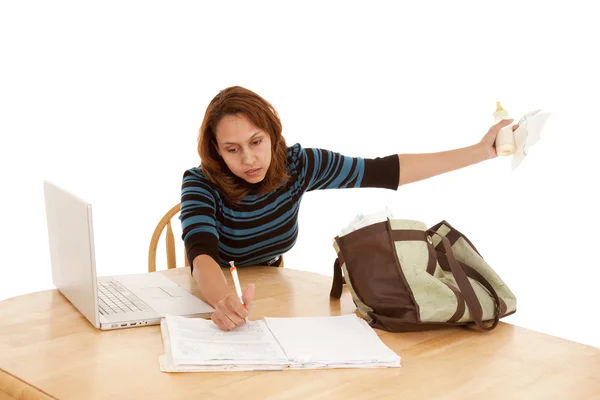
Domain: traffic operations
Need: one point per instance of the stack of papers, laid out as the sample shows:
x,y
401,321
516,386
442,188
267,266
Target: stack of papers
x,y
197,345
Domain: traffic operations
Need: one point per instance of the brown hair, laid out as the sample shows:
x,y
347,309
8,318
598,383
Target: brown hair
x,y
238,100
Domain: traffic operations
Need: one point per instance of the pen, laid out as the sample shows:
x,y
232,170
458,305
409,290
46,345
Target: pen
x,y
236,283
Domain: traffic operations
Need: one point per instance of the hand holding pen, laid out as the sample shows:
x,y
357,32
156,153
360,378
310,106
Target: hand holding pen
x,y
232,310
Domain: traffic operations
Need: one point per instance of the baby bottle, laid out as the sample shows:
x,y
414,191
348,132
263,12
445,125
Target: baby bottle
x,y
505,141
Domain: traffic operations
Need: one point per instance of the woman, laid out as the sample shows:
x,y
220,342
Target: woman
x,y
242,203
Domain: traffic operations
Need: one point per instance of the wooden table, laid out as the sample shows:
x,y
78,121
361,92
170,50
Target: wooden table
x,y
48,350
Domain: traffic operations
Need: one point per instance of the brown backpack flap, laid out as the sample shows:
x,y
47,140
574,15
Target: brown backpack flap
x,y
368,256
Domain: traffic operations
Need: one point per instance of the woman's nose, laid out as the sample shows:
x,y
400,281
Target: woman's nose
x,y
249,157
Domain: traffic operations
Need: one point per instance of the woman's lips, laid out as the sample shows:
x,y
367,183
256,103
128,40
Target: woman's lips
x,y
253,172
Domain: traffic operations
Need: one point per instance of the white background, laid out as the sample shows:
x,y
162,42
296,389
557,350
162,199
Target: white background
x,y
106,101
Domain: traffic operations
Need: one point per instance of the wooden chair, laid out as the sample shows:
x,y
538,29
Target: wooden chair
x,y
165,222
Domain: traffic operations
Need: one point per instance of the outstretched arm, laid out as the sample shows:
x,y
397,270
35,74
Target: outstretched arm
x,y
416,167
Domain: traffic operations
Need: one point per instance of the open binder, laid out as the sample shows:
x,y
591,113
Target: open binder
x,y
197,345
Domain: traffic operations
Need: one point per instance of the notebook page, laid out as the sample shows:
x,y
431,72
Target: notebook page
x,y
331,341
197,341
167,365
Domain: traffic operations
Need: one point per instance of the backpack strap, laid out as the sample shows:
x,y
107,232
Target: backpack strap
x,y
338,280
466,289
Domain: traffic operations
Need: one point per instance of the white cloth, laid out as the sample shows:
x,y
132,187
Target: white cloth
x,y
360,221
528,134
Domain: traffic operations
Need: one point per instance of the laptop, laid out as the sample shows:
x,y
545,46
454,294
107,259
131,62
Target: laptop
x,y
109,302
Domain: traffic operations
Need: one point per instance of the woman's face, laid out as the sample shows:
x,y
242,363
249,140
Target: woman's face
x,y
245,148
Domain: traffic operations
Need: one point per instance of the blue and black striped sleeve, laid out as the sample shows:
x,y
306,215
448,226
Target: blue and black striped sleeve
x,y
198,218
325,169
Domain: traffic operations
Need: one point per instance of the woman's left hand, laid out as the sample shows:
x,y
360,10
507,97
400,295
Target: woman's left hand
x,y
487,143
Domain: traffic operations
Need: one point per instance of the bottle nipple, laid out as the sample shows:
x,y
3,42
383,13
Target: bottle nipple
x,y
498,106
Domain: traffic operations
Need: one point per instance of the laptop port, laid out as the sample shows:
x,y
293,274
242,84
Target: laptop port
x,y
123,324
132,324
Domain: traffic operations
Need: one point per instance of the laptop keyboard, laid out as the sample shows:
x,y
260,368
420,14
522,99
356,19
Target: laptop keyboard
x,y
114,298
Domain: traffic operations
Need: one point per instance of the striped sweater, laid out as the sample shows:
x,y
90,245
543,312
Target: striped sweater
x,y
262,227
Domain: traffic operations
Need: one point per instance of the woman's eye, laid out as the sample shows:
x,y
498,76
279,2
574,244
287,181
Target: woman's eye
x,y
257,142
231,150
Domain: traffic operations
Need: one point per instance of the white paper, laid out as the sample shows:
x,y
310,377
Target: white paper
x,y
168,365
331,342
196,341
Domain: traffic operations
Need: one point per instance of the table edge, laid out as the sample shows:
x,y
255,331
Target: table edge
x,y
18,388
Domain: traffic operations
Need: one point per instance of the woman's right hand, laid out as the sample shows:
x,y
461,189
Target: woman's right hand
x,y
230,313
